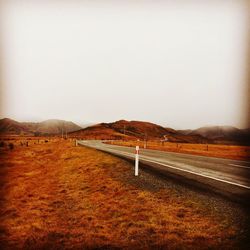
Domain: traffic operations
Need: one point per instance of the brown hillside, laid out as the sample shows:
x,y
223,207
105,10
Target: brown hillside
x,y
131,130
139,129
222,134
100,131
54,126
11,127
49,127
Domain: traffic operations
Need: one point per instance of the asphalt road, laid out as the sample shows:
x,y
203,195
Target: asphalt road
x,y
228,177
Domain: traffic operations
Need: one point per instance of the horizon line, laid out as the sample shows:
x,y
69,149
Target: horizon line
x,y
99,122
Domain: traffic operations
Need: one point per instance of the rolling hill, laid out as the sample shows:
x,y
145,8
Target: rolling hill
x,y
48,127
11,127
221,134
128,130
100,131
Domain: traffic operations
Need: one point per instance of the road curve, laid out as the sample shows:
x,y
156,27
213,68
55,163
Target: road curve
x,y
225,176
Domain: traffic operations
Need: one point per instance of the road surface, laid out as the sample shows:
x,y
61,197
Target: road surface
x,y
225,176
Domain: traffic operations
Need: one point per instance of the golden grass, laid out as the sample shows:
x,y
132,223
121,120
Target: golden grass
x,y
222,151
55,195
99,132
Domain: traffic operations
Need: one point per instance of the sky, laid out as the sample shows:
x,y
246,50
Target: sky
x,y
181,64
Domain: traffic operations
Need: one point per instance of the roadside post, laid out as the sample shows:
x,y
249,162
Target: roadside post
x,y
76,143
136,160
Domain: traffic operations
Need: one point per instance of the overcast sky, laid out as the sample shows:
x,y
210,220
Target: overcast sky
x,y
180,64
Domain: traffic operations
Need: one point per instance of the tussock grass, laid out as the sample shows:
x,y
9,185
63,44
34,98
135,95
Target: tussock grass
x,y
55,195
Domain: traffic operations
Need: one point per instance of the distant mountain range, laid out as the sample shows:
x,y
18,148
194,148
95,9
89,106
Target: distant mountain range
x,y
127,130
48,127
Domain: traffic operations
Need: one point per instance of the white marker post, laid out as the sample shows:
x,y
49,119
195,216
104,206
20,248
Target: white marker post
x,y
136,160
76,143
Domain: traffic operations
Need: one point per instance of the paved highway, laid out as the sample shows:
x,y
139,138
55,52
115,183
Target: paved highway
x,y
225,176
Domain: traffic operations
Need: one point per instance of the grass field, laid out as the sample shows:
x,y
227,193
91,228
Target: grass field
x,y
214,150
55,195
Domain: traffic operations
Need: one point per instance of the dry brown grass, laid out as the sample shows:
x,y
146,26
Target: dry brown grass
x,y
99,132
55,195
222,151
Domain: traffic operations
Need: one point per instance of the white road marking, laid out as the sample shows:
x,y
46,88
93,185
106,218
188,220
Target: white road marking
x,y
169,166
239,166
203,175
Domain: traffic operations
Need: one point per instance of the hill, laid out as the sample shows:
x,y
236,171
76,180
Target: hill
x,y
48,127
53,127
100,131
11,127
222,134
131,130
127,130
